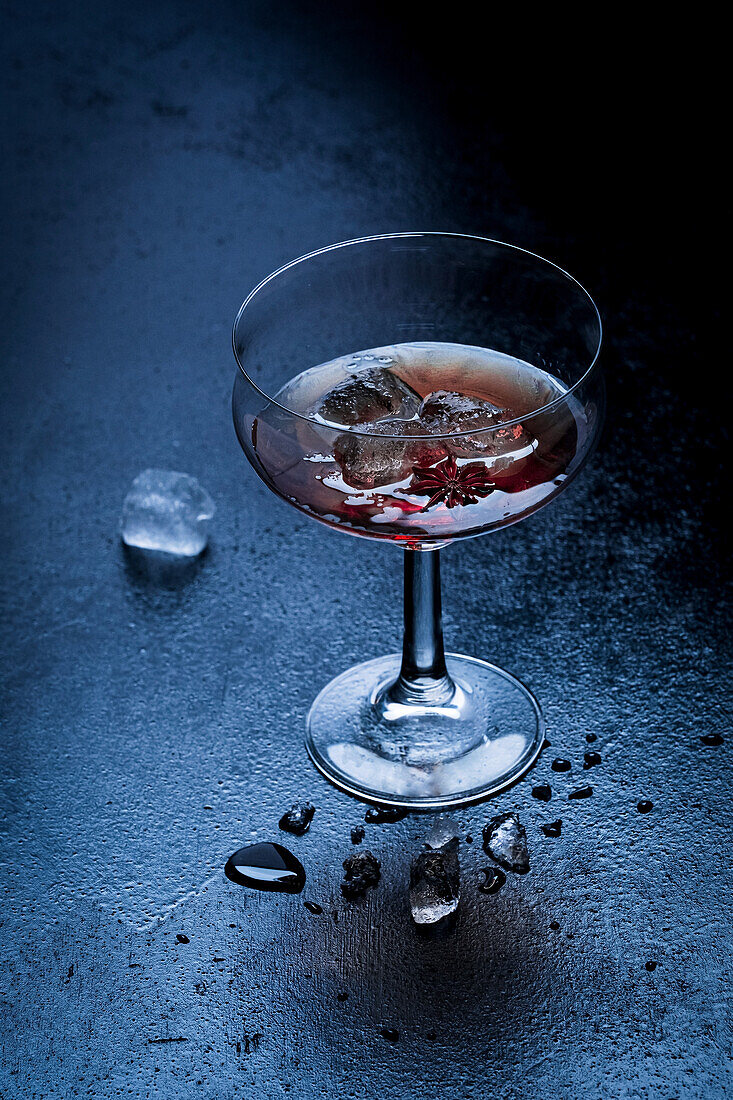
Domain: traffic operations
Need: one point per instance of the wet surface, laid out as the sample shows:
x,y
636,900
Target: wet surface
x,y
162,159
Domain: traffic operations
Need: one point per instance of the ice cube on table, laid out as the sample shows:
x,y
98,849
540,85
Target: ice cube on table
x,y
368,461
442,831
447,412
369,394
297,820
361,871
505,840
167,510
435,885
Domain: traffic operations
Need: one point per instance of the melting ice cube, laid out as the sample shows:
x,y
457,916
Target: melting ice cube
x,y
297,820
167,510
447,412
368,461
443,831
360,872
435,885
371,393
505,840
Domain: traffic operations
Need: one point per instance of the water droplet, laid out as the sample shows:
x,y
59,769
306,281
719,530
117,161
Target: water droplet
x,y
544,793
545,745
391,1034
469,839
495,879
553,828
590,738
560,765
712,738
313,907
266,867
581,792
555,926
342,996
651,965
357,834
431,1036
590,759
644,807
377,815
180,938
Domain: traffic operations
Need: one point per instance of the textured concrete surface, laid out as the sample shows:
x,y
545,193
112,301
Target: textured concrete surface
x,y
159,160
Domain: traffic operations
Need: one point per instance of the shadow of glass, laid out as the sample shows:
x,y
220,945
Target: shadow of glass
x,y
500,972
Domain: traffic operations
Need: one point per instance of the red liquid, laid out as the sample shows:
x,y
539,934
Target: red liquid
x,y
358,458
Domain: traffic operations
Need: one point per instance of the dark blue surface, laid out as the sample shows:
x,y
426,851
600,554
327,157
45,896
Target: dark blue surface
x,y
159,160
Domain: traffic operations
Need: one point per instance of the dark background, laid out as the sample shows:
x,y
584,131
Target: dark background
x,y
158,160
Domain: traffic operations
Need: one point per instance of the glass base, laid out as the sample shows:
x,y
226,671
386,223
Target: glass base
x,y
456,743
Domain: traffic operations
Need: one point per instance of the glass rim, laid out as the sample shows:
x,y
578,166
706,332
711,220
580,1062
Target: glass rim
x,y
354,428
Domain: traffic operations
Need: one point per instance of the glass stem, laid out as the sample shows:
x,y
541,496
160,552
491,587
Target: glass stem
x,y
423,675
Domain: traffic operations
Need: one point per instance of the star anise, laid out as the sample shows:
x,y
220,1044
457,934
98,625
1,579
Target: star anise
x,y
451,483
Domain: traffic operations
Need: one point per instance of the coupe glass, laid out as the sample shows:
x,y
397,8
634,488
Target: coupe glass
x,y
423,729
